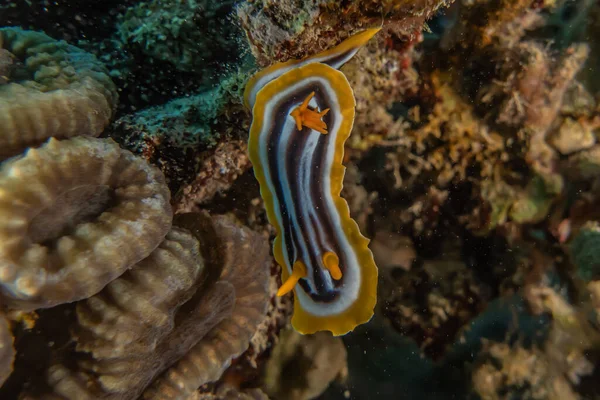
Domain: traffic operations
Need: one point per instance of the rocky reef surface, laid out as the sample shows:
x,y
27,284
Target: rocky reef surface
x,y
135,250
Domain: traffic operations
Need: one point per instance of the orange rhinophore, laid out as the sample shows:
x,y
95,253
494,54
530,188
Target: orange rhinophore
x,y
304,116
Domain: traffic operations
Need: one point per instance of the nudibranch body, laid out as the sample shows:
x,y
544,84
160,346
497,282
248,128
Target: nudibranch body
x,y
303,112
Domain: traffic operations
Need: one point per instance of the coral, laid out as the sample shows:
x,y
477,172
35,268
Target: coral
x,y
585,165
431,302
89,20
129,328
530,91
75,215
505,372
279,313
573,136
279,31
165,49
382,76
572,334
533,84
189,34
246,269
169,135
533,204
552,371
183,135
527,81
359,200
230,393
473,164
56,90
504,25
584,251
245,370
196,299
184,122
451,148
217,173
467,140
469,144
7,352
302,367
392,251
6,65
124,375
498,150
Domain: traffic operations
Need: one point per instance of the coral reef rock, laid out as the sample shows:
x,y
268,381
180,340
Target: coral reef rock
x,y
288,29
226,392
187,33
302,367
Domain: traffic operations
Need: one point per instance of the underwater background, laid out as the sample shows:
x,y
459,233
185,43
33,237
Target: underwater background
x,y
472,166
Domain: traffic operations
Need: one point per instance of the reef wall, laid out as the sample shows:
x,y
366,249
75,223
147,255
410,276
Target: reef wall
x,y
135,254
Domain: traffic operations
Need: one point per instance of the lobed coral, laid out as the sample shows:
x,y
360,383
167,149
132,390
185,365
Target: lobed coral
x,y
53,90
245,267
76,214
174,321
129,328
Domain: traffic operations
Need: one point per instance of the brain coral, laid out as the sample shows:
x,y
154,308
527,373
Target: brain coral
x,y
53,90
246,268
197,298
75,214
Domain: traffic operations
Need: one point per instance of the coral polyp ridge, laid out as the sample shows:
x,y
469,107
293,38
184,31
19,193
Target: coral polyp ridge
x,y
77,214
53,90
